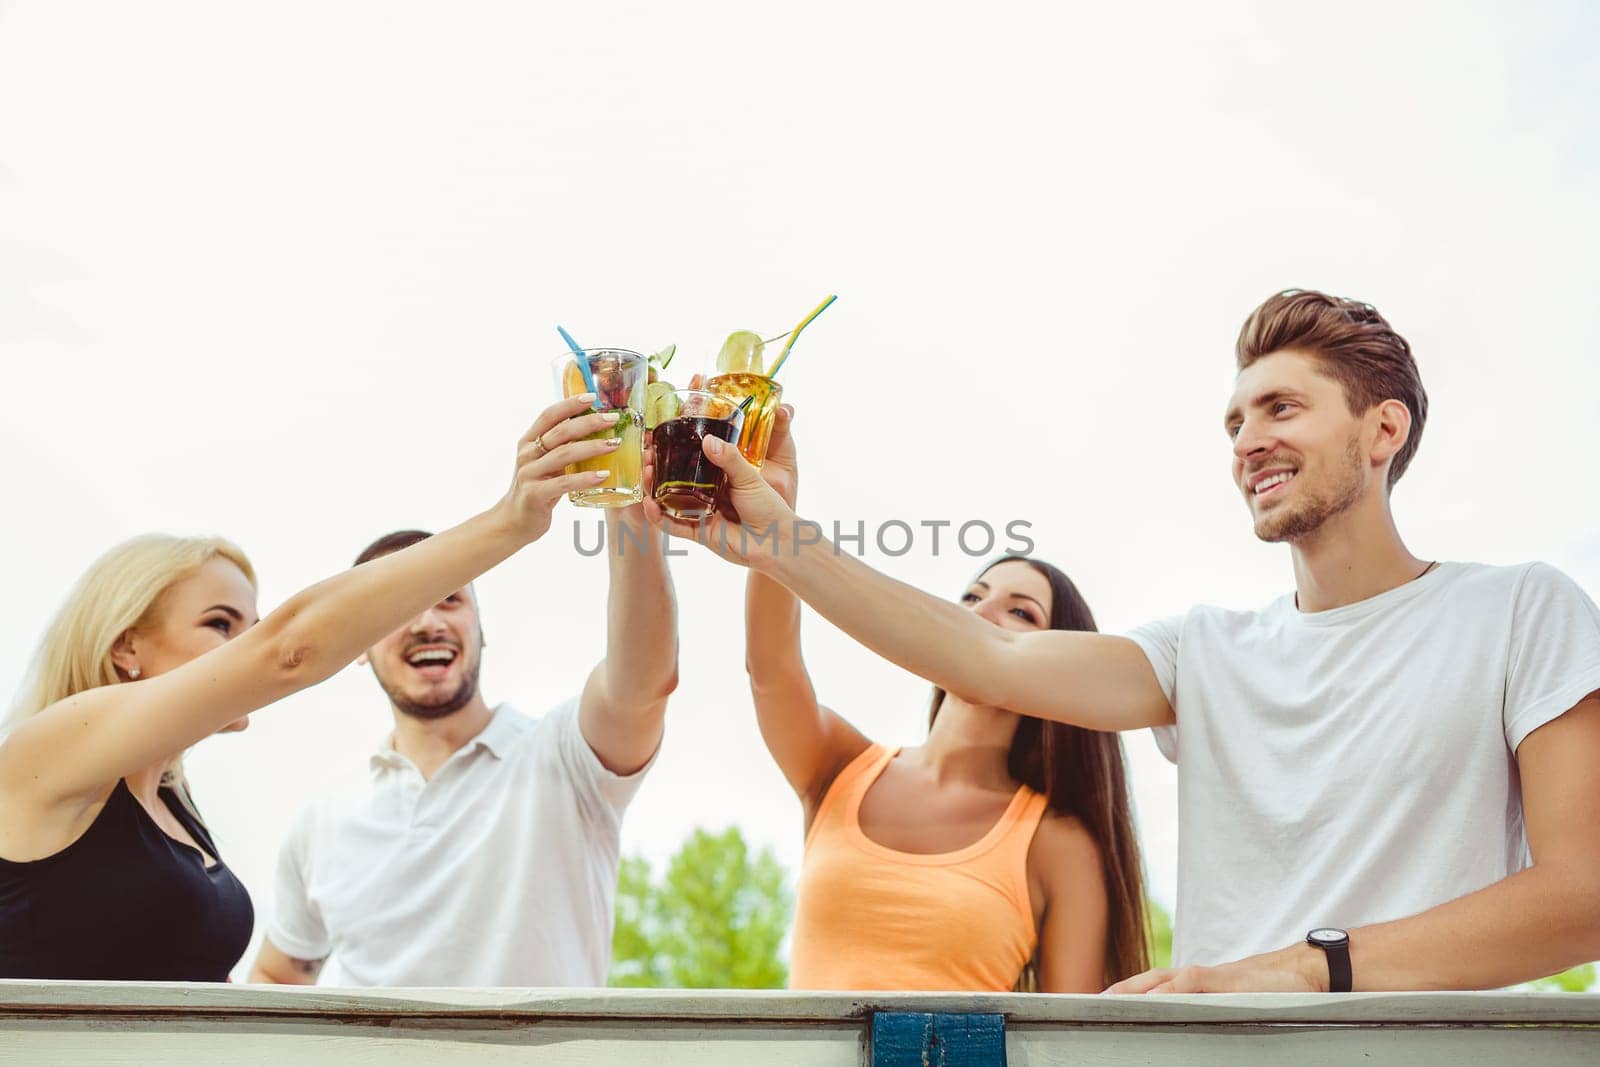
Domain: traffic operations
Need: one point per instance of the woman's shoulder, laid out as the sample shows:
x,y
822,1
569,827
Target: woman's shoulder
x,y
37,831
1065,867
854,756
1063,843
850,753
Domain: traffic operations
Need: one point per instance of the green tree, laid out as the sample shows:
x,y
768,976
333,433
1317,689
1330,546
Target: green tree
x,y
715,920
1160,934
1577,980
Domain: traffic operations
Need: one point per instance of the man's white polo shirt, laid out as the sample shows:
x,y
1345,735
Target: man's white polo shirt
x,y
500,870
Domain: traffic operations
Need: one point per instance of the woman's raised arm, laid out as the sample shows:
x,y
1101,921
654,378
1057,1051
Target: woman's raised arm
x,y
809,742
81,745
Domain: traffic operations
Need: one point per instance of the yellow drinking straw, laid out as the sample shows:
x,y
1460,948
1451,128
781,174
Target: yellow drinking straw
x,y
795,333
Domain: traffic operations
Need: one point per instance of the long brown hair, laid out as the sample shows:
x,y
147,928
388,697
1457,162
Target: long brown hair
x,y
1083,773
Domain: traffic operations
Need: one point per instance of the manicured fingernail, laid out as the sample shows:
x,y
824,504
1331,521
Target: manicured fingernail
x,y
611,416
713,446
587,398
613,442
599,476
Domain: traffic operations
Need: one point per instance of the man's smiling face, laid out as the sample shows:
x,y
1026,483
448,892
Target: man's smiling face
x,y
429,667
1298,456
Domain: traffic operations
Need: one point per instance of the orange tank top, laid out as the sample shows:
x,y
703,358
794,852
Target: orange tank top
x,y
871,917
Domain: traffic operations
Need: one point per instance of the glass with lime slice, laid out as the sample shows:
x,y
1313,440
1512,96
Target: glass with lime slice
x,y
660,404
740,374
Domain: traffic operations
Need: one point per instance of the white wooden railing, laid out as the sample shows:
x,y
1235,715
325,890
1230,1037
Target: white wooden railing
x,y
47,1023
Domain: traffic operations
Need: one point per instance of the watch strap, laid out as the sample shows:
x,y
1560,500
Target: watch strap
x,y
1339,977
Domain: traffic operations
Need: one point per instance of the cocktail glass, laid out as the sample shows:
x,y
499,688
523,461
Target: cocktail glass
x,y
619,377
687,484
759,416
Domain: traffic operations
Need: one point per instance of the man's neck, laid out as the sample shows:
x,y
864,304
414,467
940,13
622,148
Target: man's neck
x,y
428,743
1353,557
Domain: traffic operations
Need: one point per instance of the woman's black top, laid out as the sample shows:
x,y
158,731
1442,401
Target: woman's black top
x,y
124,902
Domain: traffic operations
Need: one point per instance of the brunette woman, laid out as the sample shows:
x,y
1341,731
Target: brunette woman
x,y
999,854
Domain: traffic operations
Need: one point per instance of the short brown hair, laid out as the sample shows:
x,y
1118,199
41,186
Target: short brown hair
x,y
391,542
1355,346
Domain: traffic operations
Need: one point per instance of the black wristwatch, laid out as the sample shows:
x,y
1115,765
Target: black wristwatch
x,y
1335,944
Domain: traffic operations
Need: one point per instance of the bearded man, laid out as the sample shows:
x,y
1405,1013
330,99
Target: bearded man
x,y
483,849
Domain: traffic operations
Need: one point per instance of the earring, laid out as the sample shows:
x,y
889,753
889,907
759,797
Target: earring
x,y
134,673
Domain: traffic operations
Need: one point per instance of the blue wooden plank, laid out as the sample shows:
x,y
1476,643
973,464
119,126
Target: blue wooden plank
x,y
899,1038
946,1039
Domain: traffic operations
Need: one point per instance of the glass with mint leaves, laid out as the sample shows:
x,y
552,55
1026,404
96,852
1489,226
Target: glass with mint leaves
x,y
619,378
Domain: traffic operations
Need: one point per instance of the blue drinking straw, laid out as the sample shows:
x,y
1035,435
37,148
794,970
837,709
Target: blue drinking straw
x,y
583,364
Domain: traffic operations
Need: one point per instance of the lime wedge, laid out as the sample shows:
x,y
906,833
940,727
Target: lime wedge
x,y
664,357
741,353
660,405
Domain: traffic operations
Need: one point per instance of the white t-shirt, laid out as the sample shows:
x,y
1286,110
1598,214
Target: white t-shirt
x,y
1353,766
500,870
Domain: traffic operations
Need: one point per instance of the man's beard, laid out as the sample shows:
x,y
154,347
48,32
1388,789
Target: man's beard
x,y
449,706
1316,509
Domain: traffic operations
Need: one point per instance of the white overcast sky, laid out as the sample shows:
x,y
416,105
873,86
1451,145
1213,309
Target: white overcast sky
x,y
290,272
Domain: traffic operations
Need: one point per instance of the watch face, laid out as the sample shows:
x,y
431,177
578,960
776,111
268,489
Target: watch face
x,y
1327,936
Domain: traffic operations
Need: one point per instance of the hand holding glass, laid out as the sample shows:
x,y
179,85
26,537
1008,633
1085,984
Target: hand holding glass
x,y
687,484
619,377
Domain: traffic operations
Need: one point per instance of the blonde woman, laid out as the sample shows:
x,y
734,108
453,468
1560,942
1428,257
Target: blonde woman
x,y
106,871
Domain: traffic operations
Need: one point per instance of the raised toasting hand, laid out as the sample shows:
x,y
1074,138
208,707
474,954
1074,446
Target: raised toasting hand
x,y
765,519
781,467
553,443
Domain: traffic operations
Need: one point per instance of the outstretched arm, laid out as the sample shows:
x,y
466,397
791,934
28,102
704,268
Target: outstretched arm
x,y
75,749
1099,681
624,702
1089,679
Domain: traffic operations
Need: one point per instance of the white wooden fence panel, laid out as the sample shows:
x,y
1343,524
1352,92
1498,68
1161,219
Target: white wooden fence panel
x,y
43,1024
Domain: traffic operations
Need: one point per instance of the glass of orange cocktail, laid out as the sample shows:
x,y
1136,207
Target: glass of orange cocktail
x,y
739,375
619,376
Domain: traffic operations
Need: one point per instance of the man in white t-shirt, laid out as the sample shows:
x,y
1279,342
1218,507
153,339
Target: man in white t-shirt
x,y
483,849
1387,779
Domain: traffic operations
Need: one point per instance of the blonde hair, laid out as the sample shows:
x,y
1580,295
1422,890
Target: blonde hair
x,y
118,592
